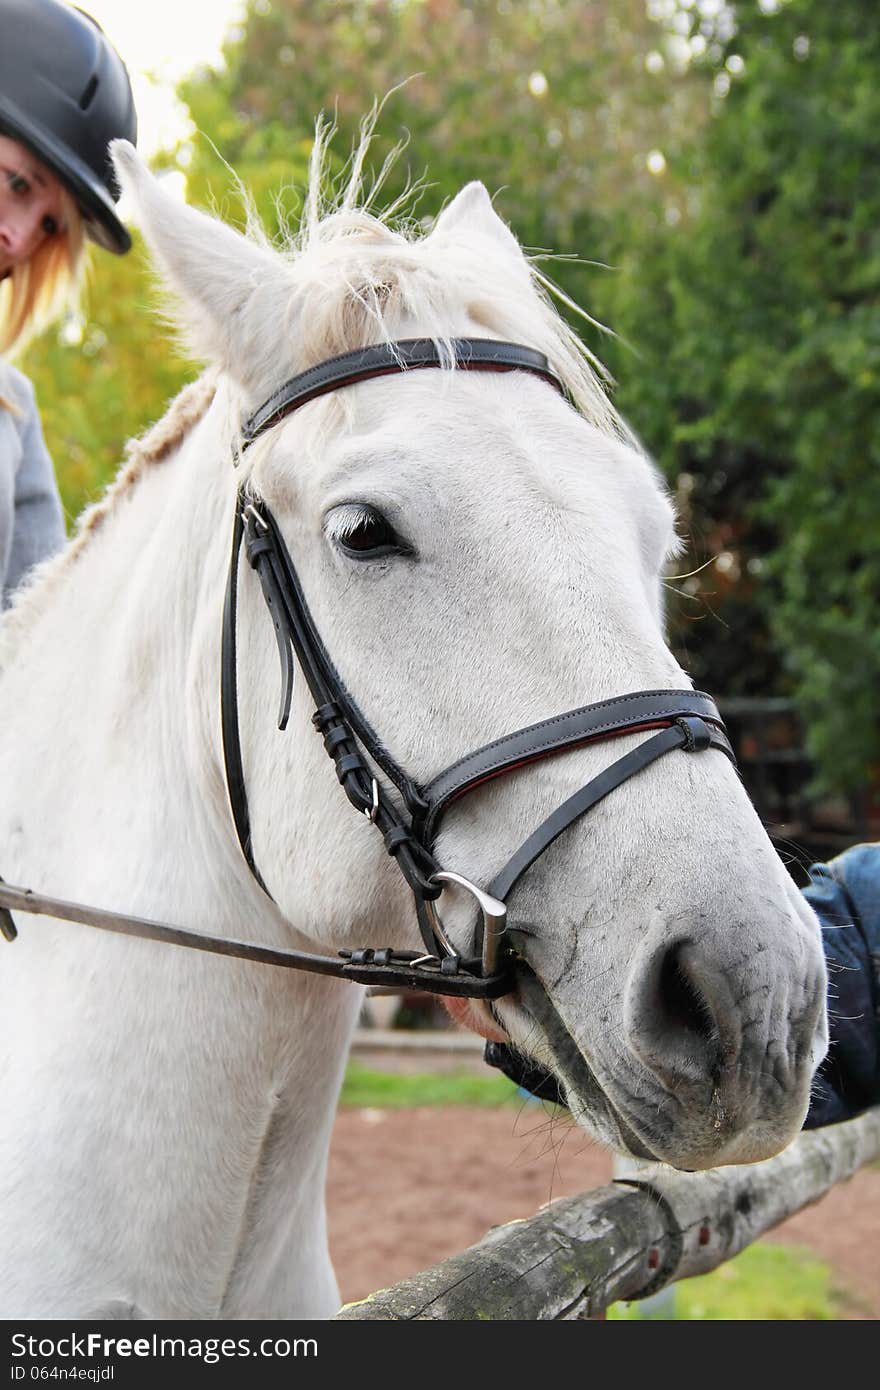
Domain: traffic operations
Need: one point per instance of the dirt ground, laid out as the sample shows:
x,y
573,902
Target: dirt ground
x,y
409,1188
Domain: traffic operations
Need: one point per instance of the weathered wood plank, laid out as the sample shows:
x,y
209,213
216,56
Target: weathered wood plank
x,y
578,1255
720,1212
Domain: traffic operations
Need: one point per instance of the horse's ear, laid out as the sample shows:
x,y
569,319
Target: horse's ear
x,y
231,292
471,211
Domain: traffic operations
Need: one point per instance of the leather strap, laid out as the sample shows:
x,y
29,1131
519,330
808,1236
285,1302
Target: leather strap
x,y
645,709
383,359
342,726
402,970
691,734
235,783
322,677
688,719
521,1070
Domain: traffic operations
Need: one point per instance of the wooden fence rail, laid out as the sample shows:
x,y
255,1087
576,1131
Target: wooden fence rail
x,y
626,1241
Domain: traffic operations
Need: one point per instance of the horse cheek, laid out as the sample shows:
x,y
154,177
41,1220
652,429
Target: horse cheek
x,y
473,1014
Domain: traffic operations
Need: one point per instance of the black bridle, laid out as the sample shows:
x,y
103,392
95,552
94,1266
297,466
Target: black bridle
x,y
683,719
686,719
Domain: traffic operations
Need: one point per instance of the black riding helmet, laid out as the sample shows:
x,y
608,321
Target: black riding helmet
x,y
65,93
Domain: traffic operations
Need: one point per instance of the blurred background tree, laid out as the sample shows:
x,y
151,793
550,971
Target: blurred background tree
x,y
704,174
753,303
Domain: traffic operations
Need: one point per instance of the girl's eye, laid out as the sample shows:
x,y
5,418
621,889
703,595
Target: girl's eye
x,y
18,184
365,534
50,226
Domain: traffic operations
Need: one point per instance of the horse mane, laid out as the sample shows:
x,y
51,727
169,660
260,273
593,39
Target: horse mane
x,y
161,439
356,275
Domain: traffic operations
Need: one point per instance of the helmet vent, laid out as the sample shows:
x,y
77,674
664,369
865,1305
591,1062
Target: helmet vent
x,y
85,100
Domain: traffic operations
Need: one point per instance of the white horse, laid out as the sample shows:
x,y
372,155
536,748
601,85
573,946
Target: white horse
x,y
166,1114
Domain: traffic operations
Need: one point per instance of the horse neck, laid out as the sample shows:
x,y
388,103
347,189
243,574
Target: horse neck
x,y
104,681
113,696
112,795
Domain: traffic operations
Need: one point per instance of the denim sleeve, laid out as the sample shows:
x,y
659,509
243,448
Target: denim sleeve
x,y
845,895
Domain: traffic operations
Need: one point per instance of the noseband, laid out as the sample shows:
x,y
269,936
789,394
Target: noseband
x,y
685,719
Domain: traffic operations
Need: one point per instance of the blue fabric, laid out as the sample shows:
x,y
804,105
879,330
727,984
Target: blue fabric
x,y
845,895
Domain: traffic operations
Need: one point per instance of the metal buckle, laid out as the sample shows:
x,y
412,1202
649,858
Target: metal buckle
x,y
371,812
250,513
493,912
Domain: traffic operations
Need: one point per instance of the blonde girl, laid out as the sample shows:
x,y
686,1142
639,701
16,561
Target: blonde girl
x,y
64,95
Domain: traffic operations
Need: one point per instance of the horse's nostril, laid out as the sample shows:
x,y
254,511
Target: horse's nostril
x,y
682,1002
680,1015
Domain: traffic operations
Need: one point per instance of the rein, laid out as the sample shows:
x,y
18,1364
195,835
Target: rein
x,y
684,719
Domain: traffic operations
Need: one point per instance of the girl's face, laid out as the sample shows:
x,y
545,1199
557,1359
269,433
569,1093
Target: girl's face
x,y
30,204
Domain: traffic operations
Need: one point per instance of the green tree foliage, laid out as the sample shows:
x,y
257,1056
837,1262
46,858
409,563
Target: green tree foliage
x,y
103,377
755,312
546,101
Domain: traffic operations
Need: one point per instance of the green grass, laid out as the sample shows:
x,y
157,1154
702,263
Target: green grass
x,y
376,1090
765,1283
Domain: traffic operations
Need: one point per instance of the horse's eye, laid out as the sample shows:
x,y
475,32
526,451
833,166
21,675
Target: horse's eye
x,y
364,533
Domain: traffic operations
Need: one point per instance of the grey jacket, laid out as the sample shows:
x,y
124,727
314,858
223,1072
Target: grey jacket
x,y
31,519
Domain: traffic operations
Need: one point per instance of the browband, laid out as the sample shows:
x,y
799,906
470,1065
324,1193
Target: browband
x,y
384,359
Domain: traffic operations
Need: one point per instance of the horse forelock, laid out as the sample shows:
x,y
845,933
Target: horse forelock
x,y
359,275
368,284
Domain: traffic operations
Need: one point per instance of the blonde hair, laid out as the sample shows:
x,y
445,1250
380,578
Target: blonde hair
x,y
35,292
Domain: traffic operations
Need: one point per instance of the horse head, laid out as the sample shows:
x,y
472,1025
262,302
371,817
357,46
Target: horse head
x,y
480,553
